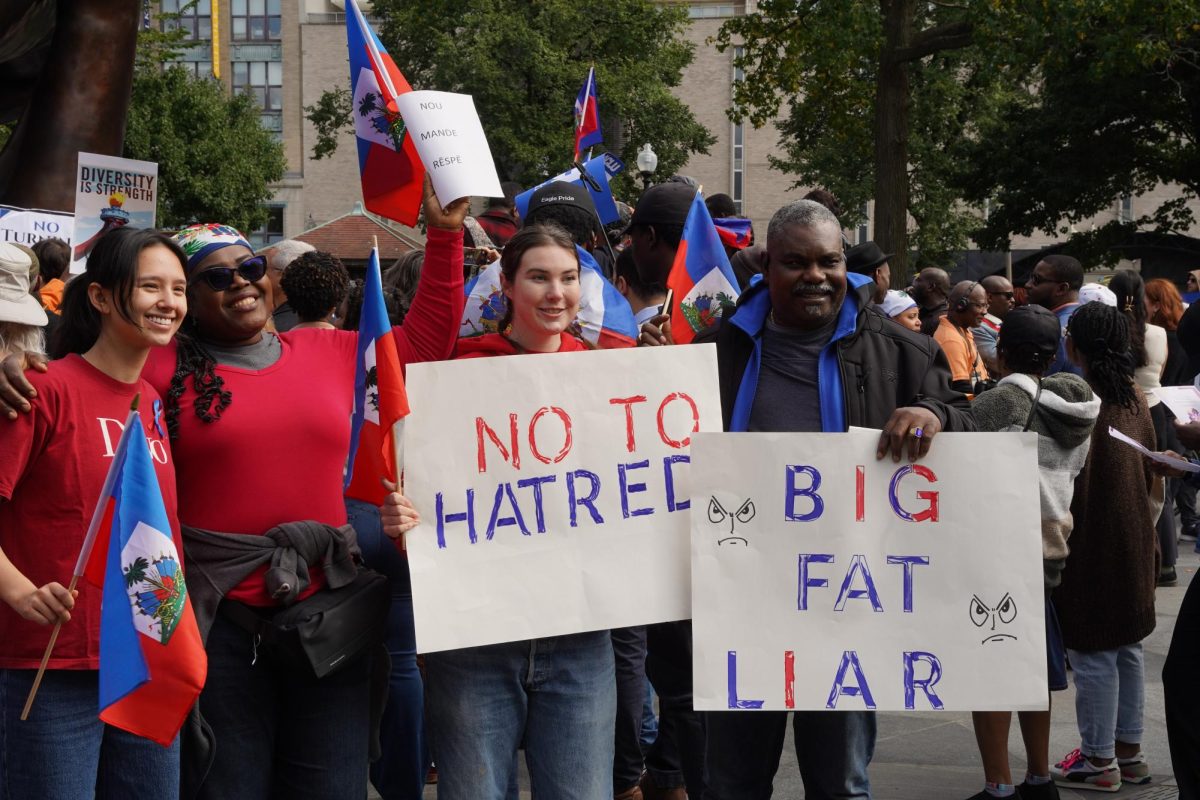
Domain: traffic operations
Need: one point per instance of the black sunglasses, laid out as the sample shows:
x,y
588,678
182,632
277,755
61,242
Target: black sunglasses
x,y
1038,280
1009,295
221,278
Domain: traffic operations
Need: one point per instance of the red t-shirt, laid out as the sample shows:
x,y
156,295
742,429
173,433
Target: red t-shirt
x,y
52,468
278,452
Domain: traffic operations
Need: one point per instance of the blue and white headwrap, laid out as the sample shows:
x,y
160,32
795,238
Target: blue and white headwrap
x,y
198,241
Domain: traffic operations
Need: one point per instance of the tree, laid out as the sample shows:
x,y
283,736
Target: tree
x,y
875,93
1105,103
215,160
524,63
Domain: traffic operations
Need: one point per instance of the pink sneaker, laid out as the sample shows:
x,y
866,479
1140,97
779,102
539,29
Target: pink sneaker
x,y
1076,772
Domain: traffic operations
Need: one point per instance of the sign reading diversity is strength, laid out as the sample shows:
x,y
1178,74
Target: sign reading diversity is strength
x,y
549,487
824,579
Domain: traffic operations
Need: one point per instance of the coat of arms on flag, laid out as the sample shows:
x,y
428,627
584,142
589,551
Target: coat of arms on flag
x,y
154,581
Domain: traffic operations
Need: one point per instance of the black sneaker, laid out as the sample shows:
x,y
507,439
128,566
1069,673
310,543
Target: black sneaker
x,y
1167,577
1037,791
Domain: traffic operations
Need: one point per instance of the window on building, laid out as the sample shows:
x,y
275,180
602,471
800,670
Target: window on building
x,y
195,18
864,227
262,80
710,10
1125,213
739,144
201,69
272,231
255,20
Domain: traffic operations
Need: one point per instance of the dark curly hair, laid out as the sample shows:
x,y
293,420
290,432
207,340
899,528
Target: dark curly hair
x,y
192,360
1100,335
315,283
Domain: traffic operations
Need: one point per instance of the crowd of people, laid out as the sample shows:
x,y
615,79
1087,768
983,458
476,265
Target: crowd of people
x,y
248,362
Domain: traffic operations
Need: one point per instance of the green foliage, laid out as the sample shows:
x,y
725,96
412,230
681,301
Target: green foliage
x,y
524,63
215,160
818,64
331,117
136,572
1105,103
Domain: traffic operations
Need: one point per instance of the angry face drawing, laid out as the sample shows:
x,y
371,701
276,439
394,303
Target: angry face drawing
x,y
988,617
717,515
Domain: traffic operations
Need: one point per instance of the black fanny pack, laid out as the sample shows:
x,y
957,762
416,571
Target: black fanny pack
x,y
326,631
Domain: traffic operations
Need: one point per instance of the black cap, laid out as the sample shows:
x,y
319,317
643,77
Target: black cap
x,y
664,204
560,193
864,258
1031,325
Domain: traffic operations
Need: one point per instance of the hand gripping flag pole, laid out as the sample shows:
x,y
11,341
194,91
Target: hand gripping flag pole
x,y
89,542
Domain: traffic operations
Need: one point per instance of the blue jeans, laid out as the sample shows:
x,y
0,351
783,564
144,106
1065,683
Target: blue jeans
x,y
833,749
1109,696
279,732
64,752
400,772
556,697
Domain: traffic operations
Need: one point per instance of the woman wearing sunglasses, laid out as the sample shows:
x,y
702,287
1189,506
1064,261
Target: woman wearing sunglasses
x,y
260,424
53,463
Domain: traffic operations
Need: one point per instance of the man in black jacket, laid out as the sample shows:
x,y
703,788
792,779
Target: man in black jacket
x,y
803,352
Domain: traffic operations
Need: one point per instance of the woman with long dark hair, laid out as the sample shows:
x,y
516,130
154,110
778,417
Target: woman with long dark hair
x,y
130,300
1149,350
1106,599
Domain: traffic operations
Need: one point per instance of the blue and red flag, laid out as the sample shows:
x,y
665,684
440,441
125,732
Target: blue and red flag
x,y
380,401
735,232
587,116
152,663
605,320
392,175
701,280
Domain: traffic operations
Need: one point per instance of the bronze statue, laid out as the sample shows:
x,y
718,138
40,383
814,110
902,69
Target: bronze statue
x,y
66,72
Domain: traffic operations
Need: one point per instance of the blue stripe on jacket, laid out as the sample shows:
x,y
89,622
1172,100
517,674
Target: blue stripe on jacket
x,y
751,317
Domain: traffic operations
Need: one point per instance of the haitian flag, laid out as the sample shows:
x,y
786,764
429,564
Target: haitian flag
x,y
392,175
701,279
734,231
152,663
380,401
587,116
605,320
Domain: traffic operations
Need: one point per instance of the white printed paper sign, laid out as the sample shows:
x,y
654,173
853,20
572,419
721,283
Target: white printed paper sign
x,y
29,226
824,579
548,487
449,138
110,193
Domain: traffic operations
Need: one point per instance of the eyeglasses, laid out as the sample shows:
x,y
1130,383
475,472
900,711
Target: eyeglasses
x,y
1038,280
221,278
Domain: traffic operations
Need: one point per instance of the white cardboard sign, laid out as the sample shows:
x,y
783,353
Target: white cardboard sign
x,y
548,485
824,579
449,138
28,226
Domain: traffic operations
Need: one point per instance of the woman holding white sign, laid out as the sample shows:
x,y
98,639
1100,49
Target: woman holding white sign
x,y
555,696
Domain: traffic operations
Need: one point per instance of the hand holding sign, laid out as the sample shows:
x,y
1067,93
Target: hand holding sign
x,y
449,218
449,138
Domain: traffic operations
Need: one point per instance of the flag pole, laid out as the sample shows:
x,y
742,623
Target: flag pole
x,y
89,542
591,183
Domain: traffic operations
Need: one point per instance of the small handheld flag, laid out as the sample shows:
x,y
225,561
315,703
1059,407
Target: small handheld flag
x,y
391,171
587,116
380,401
152,663
701,277
734,231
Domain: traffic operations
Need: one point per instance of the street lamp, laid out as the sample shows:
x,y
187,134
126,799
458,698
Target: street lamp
x,y
647,162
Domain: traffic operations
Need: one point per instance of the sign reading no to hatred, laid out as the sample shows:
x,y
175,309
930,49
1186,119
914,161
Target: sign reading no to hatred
x,y
553,491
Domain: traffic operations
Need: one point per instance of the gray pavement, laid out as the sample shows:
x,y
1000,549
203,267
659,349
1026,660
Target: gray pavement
x,y
932,756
